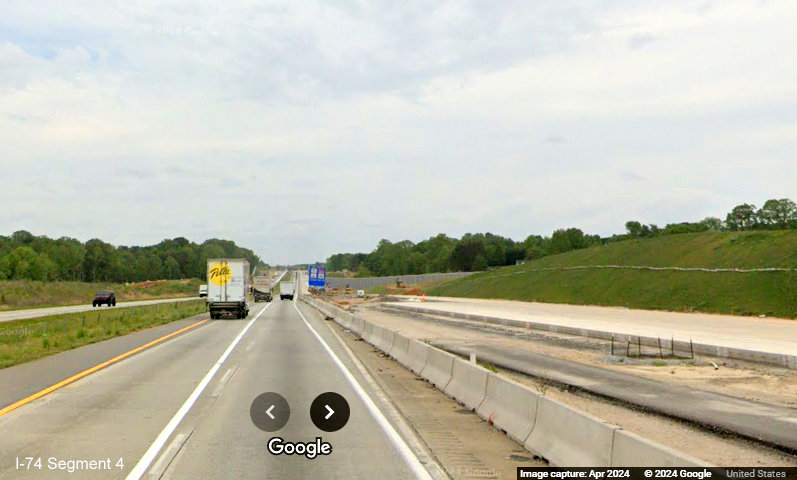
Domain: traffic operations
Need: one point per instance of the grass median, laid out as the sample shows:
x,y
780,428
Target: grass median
x,y
25,340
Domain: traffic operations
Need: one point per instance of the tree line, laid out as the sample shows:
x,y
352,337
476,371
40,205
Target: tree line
x,y
26,256
775,214
480,251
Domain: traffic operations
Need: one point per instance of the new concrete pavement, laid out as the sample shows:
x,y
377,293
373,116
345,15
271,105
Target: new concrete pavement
x,y
43,312
151,402
773,335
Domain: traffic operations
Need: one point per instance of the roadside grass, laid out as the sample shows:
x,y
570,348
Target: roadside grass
x,y
756,293
25,340
22,294
487,365
377,290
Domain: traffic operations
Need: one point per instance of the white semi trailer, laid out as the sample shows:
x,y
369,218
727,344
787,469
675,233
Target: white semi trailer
x,y
228,284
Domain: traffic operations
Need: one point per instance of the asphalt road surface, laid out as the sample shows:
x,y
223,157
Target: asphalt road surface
x,y
181,409
43,312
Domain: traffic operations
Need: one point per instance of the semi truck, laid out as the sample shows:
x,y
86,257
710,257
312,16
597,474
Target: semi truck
x,y
261,289
228,284
287,290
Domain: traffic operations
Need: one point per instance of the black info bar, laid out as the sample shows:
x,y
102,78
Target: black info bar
x,y
658,473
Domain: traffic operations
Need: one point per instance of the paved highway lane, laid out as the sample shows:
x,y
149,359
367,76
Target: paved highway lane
x,y
114,413
43,312
151,403
281,354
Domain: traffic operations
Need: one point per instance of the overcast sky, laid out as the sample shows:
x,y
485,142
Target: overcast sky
x,y
305,128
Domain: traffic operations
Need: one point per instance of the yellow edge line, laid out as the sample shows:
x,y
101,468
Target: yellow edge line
x,y
93,369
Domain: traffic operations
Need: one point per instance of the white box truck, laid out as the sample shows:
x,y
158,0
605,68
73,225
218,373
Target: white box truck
x,y
287,290
228,284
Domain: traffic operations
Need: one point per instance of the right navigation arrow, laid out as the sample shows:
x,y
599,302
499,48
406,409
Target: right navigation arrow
x,y
330,412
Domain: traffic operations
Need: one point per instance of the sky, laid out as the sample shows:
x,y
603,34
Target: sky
x,y
305,128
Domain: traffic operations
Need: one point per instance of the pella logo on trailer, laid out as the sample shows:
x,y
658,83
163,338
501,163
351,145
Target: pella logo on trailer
x,y
220,274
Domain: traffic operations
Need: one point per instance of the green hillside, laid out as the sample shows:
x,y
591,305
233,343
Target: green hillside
x,y
756,293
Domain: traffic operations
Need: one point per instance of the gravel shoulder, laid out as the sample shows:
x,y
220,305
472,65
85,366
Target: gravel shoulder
x,y
465,445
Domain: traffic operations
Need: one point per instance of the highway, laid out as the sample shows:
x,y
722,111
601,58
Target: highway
x,y
43,312
181,409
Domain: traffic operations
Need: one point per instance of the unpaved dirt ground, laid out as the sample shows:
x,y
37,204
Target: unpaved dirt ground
x,y
729,379
466,446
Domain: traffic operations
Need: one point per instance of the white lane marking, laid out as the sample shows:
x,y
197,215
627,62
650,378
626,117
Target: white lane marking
x,y
223,381
330,412
156,446
398,442
391,411
160,465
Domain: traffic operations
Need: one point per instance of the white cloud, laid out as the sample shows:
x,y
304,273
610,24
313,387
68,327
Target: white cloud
x,y
304,128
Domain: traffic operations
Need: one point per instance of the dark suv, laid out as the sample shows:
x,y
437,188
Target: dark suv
x,y
104,297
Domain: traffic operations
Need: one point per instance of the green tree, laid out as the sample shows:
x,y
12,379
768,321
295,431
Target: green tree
x,y
465,252
479,264
713,224
171,268
98,261
22,237
23,263
44,268
778,214
5,267
416,263
742,217
633,228
570,239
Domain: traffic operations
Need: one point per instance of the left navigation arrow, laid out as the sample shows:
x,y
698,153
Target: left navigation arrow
x,y
269,411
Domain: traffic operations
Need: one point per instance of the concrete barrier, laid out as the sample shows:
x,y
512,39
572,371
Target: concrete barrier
x,y
417,354
368,333
384,341
631,450
563,435
509,406
345,320
373,334
357,325
567,437
439,365
468,383
400,348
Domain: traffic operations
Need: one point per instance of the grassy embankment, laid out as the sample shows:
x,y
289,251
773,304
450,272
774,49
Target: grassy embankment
x,y
19,294
757,293
25,340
